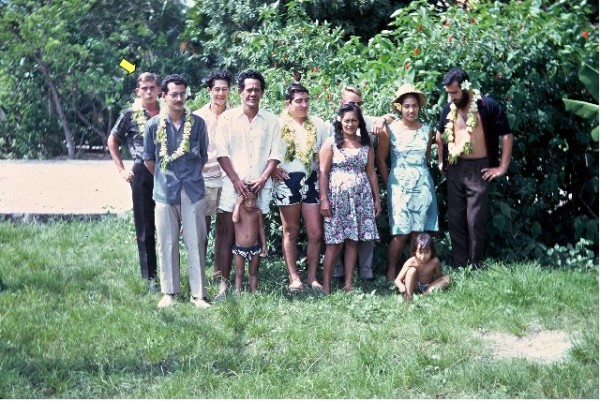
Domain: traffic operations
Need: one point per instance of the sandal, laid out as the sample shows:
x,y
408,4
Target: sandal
x,y
296,286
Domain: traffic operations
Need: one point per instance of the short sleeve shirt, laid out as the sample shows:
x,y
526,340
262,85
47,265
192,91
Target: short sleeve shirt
x,y
249,145
322,131
212,170
126,128
184,172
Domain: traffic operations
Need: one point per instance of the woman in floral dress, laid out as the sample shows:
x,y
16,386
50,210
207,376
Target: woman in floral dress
x,y
348,192
411,194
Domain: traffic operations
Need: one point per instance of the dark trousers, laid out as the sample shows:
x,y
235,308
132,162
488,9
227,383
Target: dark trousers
x,y
142,185
467,211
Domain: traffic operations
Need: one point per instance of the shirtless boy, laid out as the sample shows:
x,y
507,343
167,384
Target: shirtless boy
x,y
422,272
250,242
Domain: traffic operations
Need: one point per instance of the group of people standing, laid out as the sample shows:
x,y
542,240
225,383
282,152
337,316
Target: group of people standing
x,y
232,162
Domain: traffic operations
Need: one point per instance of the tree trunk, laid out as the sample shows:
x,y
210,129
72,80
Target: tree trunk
x,y
57,106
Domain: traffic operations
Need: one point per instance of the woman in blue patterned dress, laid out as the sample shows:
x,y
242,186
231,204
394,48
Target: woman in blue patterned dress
x,y
348,192
412,204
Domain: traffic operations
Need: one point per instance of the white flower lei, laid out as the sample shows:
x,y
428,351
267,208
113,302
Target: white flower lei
x,y
139,115
293,150
161,137
455,149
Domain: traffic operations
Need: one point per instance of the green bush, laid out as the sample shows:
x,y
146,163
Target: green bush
x,y
524,54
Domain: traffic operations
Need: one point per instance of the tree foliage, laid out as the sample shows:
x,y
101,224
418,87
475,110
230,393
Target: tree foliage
x,y
525,54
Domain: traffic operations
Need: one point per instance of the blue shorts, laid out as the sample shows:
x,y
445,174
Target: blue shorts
x,y
298,188
422,287
246,252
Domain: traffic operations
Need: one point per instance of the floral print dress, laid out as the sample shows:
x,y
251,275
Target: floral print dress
x,y
350,198
411,194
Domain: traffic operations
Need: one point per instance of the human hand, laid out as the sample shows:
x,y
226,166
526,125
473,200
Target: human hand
x,y
324,208
378,125
256,185
263,252
490,174
401,287
377,208
280,174
240,187
126,174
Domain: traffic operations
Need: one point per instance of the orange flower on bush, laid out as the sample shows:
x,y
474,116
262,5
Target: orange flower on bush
x,y
450,38
585,34
407,66
416,51
420,28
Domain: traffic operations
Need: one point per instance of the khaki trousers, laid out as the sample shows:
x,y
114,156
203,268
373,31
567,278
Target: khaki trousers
x,y
170,218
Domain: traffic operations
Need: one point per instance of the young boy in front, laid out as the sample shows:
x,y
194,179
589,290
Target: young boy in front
x,y
422,272
250,243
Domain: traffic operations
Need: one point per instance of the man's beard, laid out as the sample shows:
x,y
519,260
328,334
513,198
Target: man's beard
x,y
463,101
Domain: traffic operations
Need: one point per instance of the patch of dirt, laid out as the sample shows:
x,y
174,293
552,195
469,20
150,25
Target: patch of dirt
x,y
540,347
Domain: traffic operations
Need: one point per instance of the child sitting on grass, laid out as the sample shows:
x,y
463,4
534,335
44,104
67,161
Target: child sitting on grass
x,y
250,242
422,272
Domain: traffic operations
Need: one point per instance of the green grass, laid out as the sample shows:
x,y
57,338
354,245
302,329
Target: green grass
x,y
76,321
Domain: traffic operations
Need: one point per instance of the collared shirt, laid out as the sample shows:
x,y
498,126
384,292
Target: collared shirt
x,y
322,132
249,145
494,123
127,128
212,170
184,172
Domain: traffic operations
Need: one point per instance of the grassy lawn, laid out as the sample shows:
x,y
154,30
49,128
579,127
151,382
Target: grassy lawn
x,y
76,321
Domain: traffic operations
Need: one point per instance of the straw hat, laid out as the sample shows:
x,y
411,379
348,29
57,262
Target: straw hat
x,y
408,89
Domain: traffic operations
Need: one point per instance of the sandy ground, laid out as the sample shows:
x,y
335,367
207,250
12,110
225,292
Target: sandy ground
x,y
540,346
62,187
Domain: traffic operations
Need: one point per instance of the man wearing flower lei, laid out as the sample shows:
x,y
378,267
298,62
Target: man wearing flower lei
x,y
175,150
469,132
218,84
249,148
375,125
130,127
296,190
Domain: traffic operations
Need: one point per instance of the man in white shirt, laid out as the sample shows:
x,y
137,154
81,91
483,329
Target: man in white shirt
x,y
218,84
249,148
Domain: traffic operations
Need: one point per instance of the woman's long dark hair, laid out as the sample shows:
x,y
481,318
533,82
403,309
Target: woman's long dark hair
x,y
362,126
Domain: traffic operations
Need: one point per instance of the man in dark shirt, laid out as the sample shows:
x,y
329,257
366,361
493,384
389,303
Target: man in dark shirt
x,y
130,127
467,137
175,151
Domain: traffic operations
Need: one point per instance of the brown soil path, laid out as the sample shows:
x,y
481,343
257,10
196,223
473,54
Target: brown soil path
x,y
41,189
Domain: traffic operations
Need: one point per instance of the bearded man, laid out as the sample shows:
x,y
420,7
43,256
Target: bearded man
x,y
469,132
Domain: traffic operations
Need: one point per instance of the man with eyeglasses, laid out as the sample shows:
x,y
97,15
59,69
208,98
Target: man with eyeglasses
x,y
130,127
175,150
352,94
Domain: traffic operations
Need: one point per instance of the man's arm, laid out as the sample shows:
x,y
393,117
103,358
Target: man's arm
x,y
440,147
379,123
150,165
115,153
238,185
490,174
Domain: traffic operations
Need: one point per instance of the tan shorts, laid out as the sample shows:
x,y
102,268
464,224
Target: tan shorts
x,y
211,198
